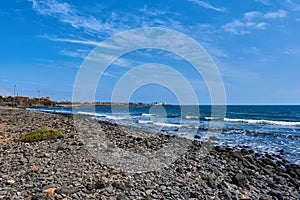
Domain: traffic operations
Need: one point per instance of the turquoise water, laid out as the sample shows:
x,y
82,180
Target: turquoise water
x,y
263,128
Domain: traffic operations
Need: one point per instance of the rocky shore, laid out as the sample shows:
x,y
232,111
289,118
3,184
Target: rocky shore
x,y
67,169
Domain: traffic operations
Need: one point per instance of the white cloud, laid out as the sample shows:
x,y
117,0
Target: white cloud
x,y
69,15
121,62
250,15
292,52
276,15
108,25
117,22
50,7
110,75
265,2
252,50
152,12
84,42
243,27
249,22
207,5
78,53
215,52
252,20
206,28
261,25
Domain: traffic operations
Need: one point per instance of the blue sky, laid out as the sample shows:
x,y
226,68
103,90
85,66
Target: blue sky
x,y
255,44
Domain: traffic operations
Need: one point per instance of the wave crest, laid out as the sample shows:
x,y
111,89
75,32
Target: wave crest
x,y
255,121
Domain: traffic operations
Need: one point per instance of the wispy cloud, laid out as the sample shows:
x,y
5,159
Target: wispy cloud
x,y
121,62
116,22
109,75
207,5
78,53
252,50
69,15
250,15
292,52
265,2
108,25
243,27
276,15
152,12
50,7
252,20
85,42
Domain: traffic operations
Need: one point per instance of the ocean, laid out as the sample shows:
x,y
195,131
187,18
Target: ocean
x,y
272,129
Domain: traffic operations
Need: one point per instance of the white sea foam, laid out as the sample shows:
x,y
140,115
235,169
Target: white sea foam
x,y
61,111
39,109
51,111
167,124
91,114
212,118
148,114
112,117
271,122
144,122
191,117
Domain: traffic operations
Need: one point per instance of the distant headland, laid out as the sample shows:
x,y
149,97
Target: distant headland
x,y
25,102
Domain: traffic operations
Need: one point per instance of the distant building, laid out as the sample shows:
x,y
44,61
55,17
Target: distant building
x,y
22,98
22,101
45,99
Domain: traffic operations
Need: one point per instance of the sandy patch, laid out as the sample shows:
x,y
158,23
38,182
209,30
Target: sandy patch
x,y
5,137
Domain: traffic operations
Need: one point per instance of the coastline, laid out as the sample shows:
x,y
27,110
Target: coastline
x,y
221,172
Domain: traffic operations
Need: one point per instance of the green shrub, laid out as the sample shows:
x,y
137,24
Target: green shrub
x,y
42,134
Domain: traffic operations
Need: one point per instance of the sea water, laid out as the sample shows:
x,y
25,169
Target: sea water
x,y
272,129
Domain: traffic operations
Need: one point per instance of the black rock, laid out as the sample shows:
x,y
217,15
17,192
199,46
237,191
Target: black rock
x,y
90,186
197,137
281,151
99,185
239,180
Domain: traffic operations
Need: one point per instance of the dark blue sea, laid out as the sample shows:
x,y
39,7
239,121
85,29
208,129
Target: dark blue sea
x,y
272,129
